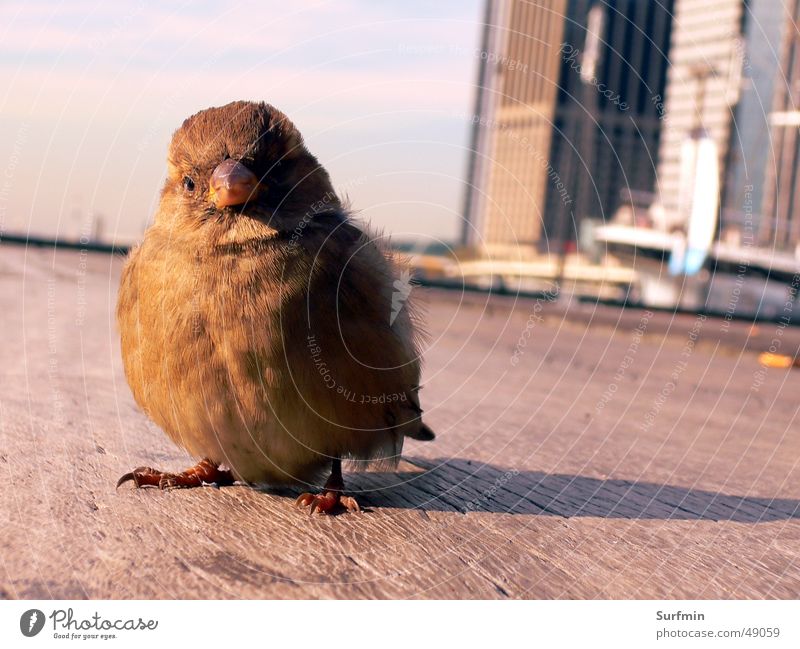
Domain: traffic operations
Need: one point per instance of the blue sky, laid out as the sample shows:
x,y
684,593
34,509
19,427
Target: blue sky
x,y
92,91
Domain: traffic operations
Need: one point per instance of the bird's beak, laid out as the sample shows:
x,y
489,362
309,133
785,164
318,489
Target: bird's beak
x,y
232,184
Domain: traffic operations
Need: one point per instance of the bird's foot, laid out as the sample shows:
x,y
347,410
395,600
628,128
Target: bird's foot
x,y
331,500
204,472
328,502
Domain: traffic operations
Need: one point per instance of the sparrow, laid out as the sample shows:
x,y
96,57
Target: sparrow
x,y
260,325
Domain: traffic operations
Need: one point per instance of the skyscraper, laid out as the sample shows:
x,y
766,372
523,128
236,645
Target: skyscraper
x,y
513,122
750,152
702,89
780,223
567,116
735,73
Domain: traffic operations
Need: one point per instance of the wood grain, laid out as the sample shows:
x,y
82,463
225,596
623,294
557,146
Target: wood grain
x,y
683,484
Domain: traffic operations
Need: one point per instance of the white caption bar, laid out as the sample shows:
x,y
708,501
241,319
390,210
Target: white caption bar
x,y
400,624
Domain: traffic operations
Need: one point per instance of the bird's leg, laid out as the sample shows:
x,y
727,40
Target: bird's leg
x,y
331,497
204,471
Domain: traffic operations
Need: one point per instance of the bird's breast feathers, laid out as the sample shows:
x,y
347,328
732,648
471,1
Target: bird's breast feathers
x,y
262,351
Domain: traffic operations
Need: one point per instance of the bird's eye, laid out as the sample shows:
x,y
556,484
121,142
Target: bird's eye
x,y
188,184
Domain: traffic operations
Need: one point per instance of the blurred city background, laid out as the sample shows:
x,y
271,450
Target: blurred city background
x,y
636,152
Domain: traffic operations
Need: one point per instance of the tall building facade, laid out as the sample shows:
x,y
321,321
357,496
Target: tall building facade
x,y
608,120
750,158
567,116
512,125
780,222
735,74
703,87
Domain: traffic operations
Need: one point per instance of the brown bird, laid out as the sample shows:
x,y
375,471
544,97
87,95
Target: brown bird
x,y
261,328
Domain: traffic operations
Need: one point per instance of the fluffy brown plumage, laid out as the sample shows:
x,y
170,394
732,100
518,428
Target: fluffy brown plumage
x,y
256,318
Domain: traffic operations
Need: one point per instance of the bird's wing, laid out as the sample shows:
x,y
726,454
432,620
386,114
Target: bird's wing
x,y
377,321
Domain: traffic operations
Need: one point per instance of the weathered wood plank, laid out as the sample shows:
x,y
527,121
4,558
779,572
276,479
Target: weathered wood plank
x,y
530,490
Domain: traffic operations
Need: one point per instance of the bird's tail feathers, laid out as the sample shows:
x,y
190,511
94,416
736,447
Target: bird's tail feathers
x,y
422,433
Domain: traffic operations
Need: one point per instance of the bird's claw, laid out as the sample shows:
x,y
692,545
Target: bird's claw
x,y
327,502
205,472
145,476
350,504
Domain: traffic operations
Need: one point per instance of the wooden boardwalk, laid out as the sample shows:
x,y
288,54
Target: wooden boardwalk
x,y
582,452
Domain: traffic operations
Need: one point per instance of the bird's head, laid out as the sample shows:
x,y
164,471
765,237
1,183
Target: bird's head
x,y
245,159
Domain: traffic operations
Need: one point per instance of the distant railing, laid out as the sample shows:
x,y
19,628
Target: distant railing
x,y
65,244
